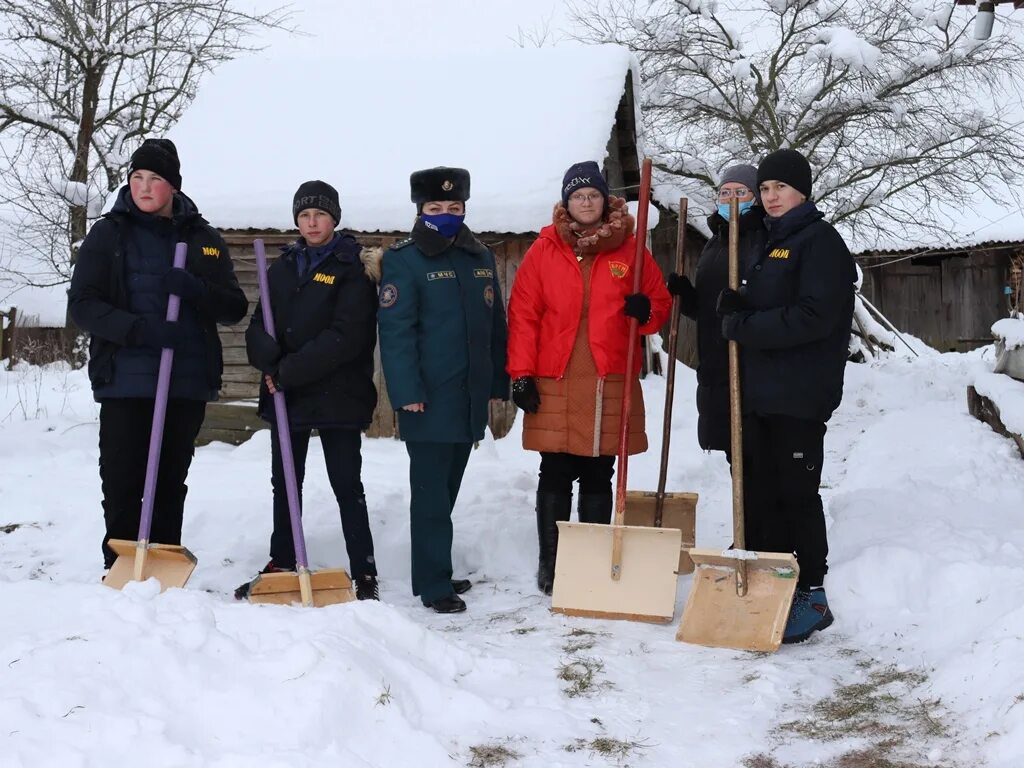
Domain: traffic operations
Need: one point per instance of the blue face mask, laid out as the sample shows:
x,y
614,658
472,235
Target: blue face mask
x,y
723,208
448,224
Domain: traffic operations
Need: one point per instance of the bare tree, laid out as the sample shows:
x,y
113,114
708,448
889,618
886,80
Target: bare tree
x,y
81,83
896,105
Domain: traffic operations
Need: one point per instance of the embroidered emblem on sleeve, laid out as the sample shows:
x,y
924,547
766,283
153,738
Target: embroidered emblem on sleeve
x,y
489,295
388,295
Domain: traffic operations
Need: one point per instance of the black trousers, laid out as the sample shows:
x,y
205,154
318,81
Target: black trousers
x,y
782,458
125,426
558,471
435,476
344,466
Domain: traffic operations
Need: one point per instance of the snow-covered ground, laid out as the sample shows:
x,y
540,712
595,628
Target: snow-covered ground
x,y
922,665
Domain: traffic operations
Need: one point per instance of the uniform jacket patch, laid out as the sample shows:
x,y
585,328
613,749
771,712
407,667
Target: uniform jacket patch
x,y
618,268
388,295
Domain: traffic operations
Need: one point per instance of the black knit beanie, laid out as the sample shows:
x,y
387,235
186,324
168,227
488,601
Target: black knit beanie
x,y
316,194
159,156
580,175
787,166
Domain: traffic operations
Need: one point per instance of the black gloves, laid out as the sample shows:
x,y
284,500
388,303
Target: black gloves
x,y
157,334
730,301
264,352
525,394
680,285
638,306
183,283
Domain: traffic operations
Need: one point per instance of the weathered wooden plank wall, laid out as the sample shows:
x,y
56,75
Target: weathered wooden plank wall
x,y
950,301
663,248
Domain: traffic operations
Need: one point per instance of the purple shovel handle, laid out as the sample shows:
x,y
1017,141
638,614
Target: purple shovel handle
x,y
284,434
163,387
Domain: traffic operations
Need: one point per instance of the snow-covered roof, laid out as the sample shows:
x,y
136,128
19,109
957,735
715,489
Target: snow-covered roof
x,y
516,118
986,221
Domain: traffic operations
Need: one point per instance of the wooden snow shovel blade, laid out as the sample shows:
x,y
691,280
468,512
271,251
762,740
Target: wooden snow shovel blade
x,y
619,571
715,615
738,599
678,511
645,586
327,587
660,509
169,564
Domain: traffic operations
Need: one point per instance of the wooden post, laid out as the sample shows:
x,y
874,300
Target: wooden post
x,y
8,337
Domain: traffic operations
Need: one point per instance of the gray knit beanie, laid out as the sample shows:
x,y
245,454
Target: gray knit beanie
x,y
742,174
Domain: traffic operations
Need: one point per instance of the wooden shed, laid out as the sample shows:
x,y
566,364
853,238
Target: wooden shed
x,y
517,160
947,297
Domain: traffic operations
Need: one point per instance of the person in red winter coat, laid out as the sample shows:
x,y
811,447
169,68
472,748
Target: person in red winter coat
x,y
568,324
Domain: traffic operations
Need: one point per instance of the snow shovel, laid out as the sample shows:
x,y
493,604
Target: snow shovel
x,y
318,589
738,599
169,564
618,571
660,509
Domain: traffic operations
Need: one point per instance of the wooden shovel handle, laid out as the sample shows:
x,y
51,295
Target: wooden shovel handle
x,y
627,389
735,407
670,379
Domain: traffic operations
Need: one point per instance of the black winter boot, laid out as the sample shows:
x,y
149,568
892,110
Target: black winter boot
x,y
595,508
551,507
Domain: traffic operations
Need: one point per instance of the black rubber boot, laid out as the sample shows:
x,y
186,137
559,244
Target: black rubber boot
x,y
551,507
595,508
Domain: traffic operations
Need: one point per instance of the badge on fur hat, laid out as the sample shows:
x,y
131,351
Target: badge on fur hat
x,y
447,186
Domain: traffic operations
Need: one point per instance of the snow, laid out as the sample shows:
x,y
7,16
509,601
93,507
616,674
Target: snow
x,y
1011,331
923,505
515,118
1008,396
846,46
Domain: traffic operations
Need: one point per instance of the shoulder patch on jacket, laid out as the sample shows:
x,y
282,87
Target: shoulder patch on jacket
x,y
388,295
401,244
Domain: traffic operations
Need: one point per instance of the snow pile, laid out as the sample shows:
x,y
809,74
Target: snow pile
x,y
515,118
1011,331
923,504
1008,396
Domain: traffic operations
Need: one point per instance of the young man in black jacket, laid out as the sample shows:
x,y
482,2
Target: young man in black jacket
x,y
792,320
118,294
323,297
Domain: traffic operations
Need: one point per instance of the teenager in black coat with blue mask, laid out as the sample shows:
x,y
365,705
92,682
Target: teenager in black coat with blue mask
x,y
323,295
699,300
791,318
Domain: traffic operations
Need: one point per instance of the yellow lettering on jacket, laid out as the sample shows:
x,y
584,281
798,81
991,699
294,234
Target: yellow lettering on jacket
x,y
779,253
320,277
208,251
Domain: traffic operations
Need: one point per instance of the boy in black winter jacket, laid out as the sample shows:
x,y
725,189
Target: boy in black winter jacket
x,y
792,320
324,302
118,294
